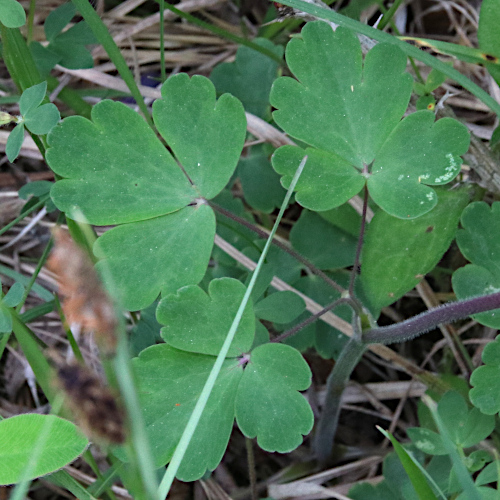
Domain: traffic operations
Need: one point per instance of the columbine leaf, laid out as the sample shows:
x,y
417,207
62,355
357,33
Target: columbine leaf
x,y
486,380
327,180
19,436
419,152
479,244
117,170
5,321
32,97
206,135
268,405
249,77
160,254
353,111
397,253
170,382
43,119
197,322
338,105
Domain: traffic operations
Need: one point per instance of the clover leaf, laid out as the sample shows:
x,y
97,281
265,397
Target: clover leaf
x,y
262,396
351,112
12,14
268,405
37,119
65,48
116,171
478,243
197,322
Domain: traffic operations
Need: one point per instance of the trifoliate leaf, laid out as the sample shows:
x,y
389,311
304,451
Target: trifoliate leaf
x,y
115,167
268,405
479,244
351,112
170,382
43,119
206,135
197,322
32,97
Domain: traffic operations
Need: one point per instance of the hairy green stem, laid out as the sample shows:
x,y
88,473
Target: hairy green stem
x,y
426,321
337,382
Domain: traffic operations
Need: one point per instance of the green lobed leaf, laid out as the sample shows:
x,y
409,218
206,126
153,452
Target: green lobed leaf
x,y
206,135
397,253
32,97
15,142
117,170
485,380
338,104
249,77
142,259
43,119
327,181
280,307
490,474
478,243
418,153
352,111
197,322
169,384
19,436
268,405
325,245
12,14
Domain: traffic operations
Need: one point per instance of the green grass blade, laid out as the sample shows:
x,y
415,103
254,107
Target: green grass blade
x,y
417,475
207,389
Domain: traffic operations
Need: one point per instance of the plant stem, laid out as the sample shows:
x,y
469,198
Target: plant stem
x,y
359,245
413,327
251,468
300,258
337,382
